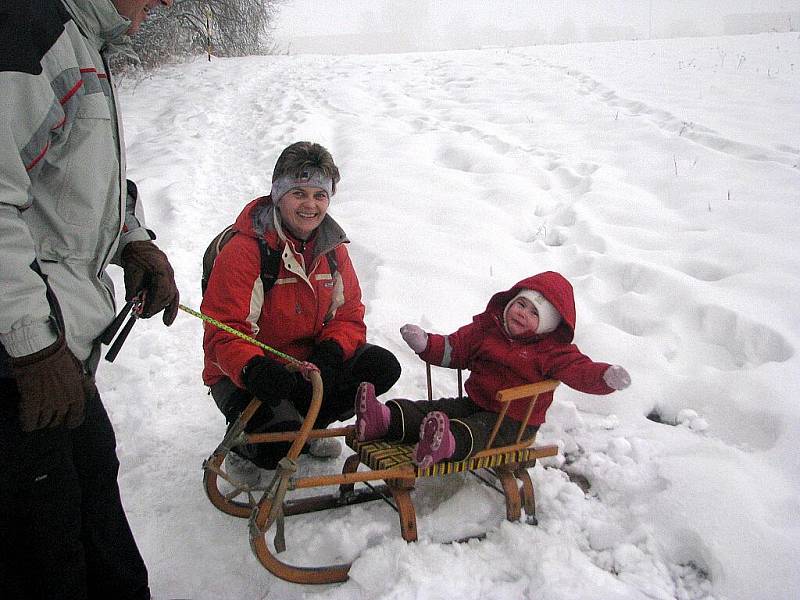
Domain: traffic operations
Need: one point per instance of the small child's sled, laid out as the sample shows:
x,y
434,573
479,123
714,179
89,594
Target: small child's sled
x,y
387,461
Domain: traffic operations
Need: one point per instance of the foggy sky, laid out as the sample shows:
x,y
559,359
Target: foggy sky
x,y
439,24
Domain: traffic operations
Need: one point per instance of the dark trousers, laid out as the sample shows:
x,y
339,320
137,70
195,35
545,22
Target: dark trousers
x,y
370,363
63,531
470,424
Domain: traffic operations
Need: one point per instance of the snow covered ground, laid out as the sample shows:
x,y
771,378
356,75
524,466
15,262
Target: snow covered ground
x,y
660,177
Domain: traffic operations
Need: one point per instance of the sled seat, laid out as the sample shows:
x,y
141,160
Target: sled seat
x,y
380,454
509,463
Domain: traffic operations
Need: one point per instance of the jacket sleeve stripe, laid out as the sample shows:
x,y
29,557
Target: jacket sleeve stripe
x,y
71,92
256,304
69,84
66,83
448,352
33,152
38,157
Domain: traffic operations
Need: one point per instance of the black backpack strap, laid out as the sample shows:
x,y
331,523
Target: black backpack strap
x,y
270,264
332,262
211,253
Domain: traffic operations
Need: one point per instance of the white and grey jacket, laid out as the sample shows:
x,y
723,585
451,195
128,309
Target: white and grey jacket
x,y
66,209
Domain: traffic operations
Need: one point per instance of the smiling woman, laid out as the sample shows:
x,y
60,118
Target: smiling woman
x,y
302,210
286,279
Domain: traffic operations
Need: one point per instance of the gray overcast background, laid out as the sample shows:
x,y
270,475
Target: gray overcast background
x,y
339,26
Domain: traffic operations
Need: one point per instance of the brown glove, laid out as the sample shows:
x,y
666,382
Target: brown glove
x,y
148,270
53,388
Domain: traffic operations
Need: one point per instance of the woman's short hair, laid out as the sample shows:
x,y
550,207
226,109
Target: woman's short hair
x,y
301,156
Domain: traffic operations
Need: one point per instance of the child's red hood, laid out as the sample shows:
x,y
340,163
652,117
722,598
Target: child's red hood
x,y
552,286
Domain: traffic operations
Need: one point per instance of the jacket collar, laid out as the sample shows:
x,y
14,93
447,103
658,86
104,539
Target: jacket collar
x,y
261,218
100,22
329,234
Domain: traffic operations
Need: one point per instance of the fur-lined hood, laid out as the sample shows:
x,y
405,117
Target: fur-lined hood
x,y
552,286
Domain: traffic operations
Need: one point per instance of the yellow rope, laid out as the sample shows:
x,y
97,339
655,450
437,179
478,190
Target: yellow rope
x,y
237,333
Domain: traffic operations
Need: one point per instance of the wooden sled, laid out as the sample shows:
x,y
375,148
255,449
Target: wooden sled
x,y
386,461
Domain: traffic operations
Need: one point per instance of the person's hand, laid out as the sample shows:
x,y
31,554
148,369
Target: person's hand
x,y
147,270
306,368
616,377
267,380
329,357
415,337
52,387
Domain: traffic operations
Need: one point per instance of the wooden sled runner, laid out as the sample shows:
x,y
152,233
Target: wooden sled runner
x,y
386,461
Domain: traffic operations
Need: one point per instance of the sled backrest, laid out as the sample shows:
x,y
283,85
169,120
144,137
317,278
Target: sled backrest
x,y
506,396
532,391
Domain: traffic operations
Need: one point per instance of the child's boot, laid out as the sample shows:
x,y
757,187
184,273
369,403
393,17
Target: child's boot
x,y
436,441
372,417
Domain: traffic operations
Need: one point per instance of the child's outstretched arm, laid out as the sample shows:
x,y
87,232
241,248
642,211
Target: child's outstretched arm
x,y
581,373
453,351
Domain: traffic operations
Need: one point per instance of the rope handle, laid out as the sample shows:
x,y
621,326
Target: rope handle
x,y
302,366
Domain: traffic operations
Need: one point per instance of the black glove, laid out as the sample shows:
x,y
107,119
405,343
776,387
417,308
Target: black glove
x,y
329,357
147,269
53,387
267,380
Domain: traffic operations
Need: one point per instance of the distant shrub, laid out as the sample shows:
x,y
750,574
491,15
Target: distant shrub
x,y
191,27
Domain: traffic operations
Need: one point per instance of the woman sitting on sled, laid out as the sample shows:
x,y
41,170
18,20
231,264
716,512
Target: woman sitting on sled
x,y
524,336
286,279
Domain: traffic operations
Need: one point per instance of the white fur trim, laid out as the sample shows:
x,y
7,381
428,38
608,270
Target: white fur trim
x,y
549,317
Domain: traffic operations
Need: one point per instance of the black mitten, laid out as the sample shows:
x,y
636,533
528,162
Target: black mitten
x,y
329,357
267,380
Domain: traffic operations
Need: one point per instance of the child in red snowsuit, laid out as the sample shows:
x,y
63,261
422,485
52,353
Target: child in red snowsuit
x,y
522,337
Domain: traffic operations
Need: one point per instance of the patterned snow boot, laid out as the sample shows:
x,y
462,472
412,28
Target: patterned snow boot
x,y
372,417
436,441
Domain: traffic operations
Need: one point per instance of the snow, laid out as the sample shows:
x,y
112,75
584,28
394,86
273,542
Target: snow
x,y
660,177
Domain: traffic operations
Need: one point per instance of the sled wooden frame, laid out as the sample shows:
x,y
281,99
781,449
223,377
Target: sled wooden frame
x,y
390,462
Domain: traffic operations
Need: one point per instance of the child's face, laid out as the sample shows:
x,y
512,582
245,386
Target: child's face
x,y
522,318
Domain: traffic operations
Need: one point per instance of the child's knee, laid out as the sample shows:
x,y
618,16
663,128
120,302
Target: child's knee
x,y
465,440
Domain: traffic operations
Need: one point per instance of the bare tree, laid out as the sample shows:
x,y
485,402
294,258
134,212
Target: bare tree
x,y
221,27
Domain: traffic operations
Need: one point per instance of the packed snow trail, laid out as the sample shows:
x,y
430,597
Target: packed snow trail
x,y
463,172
